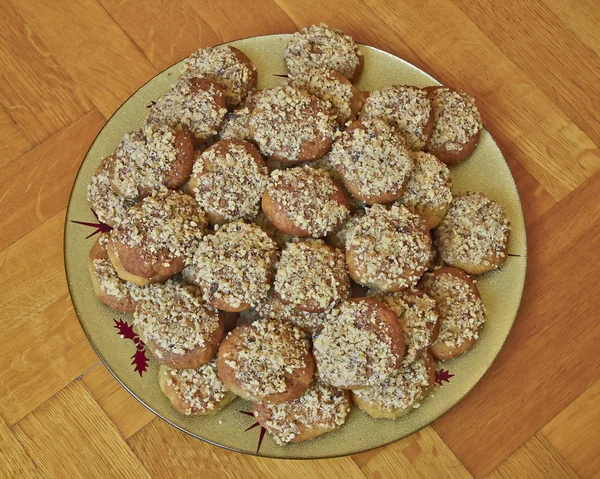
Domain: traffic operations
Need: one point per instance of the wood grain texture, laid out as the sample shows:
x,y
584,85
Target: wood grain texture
x,y
37,185
575,434
108,65
421,455
534,459
126,412
149,444
72,421
44,347
533,66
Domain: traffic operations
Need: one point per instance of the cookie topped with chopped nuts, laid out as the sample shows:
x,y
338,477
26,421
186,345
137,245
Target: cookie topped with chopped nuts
x,y
324,48
192,105
291,125
473,236
311,276
406,108
266,360
227,66
234,266
304,202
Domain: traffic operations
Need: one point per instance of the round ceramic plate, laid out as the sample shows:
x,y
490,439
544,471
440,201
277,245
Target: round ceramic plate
x,y
122,353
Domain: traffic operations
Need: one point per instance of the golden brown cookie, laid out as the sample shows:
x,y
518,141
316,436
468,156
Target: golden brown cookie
x,y
474,234
267,361
180,330
388,248
429,189
157,238
401,392
311,276
457,124
225,65
235,266
406,108
361,342
195,106
304,202
228,181
373,161
111,290
324,48
291,125
195,392
149,159
462,313
319,410
237,122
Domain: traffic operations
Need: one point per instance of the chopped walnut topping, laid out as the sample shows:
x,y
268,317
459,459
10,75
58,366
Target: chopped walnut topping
x,y
174,317
321,47
354,348
106,203
228,180
278,236
273,308
167,222
418,316
372,158
329,86
462,313
236,264
391,245
429,187
402,389
143,160
308,197
268,355
322,406
201,389
311,272
188,107
286,120
457,119
237,122
474,231
221,64
406,108
109,280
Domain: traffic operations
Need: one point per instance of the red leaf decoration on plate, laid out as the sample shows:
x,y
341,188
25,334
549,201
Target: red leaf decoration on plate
x,y
125,329
443,375
100,226
261,435
140,360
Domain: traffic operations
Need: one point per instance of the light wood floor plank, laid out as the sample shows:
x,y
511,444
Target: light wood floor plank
x,y
14,143
15,462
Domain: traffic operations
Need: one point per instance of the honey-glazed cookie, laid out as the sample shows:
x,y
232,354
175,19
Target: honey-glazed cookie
x,y
304,202
109,206
195,392
192,105
328,85
267,360
361,342
228,181
273,308
324,48
461,310
388,248
149,159
401,392
457,125
429,188
236,125
180,330
227,66
116,293
338,238
291,125
157,238
406,108
234,267
319,410
473,236
311,276
373,161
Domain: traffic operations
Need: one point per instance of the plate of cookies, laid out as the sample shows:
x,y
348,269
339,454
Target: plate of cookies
x,y
296,246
